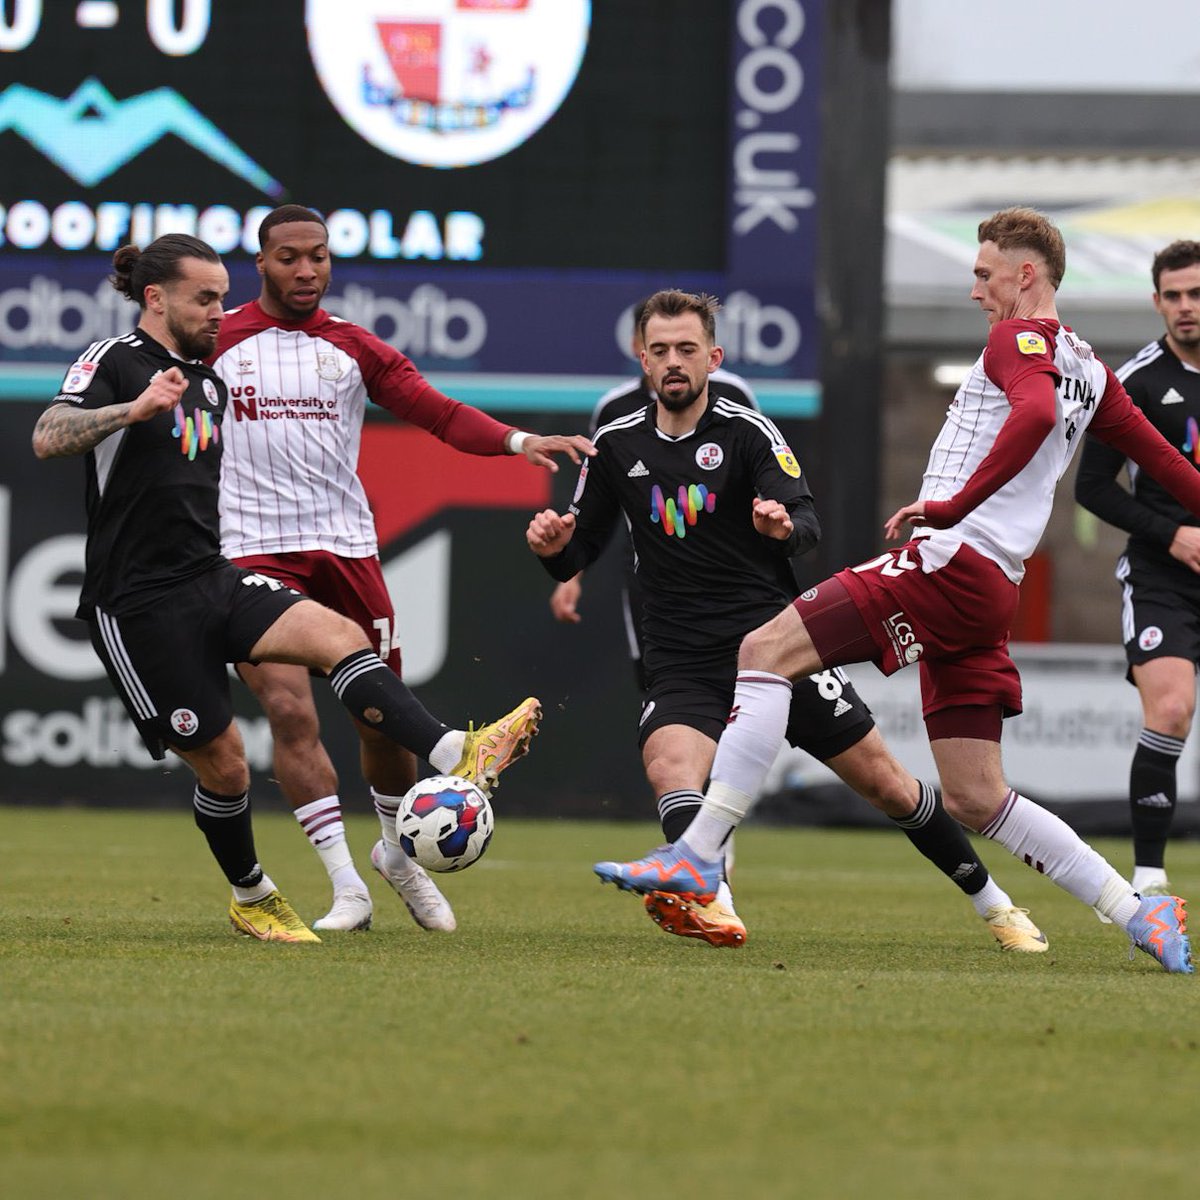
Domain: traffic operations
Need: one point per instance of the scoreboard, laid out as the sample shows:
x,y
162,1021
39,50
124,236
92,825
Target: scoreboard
x,y
502,179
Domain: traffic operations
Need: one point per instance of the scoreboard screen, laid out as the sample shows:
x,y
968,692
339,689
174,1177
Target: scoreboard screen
x,y
534,165
550,133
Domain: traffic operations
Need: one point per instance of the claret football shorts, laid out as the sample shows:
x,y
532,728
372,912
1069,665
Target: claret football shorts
x,y
353,587
953,621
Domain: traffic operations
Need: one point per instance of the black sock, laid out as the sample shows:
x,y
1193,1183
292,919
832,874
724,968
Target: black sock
x,y
366,686
225,822
676,810
1152,795
941,839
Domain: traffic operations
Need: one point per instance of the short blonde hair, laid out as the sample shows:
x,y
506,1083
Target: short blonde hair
x,y
1027,229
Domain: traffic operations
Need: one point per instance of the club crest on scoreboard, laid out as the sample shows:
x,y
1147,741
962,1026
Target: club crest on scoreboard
x,y
447,83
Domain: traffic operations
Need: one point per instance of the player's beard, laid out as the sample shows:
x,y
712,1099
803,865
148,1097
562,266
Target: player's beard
x,y
679,401
192,343
1188,337
294,312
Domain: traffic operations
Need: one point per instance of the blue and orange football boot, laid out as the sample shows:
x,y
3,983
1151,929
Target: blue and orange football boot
x,y
1160,928
674,868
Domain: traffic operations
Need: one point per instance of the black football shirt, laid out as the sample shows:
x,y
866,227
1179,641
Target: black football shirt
x,y
708,577
1168,392
151,488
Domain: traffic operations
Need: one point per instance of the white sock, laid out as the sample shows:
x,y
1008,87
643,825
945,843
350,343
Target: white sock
x,y
445,756
251,895
322,823
712,827
725,896
1118,901
1049,845
748,746
386,808
397,862
989,896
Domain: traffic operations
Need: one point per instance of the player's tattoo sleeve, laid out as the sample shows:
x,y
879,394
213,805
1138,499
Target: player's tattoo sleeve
x,y
62,431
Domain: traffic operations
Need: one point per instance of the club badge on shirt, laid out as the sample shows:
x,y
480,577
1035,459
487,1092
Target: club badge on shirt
x,y
1029,342
328,367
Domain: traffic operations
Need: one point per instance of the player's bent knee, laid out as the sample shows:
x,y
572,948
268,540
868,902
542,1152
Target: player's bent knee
x,y
893,795
760,649
333,626
782,646
291,716
668,775
294,730
221,766
1171,714
312,635
972,811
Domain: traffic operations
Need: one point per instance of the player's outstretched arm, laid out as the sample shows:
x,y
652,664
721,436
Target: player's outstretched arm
x,y
539,449
62,430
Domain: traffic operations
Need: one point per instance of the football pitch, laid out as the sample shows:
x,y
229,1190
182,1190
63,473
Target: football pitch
x,y
870,1040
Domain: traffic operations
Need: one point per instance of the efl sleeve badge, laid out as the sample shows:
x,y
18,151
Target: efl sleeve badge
x,y
787,461
78,377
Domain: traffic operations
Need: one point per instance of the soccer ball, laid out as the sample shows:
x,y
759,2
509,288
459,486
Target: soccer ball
x,y
444,823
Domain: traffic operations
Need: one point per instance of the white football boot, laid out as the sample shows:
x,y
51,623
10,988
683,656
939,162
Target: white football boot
x,y
351,911
429,908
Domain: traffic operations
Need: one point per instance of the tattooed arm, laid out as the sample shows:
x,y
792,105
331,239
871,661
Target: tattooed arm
x,y
63,430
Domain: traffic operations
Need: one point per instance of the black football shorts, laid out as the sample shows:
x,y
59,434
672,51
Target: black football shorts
x,y
827,716
167,660
1160,611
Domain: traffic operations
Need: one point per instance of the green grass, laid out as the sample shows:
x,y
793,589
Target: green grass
x,y
869,1041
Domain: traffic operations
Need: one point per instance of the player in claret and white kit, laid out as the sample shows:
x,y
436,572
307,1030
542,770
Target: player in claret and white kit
x,y
293,508
946,599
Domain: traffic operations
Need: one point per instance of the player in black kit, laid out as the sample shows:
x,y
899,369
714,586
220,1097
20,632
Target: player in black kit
x,y
716,506
1160,569
633,396
166,612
